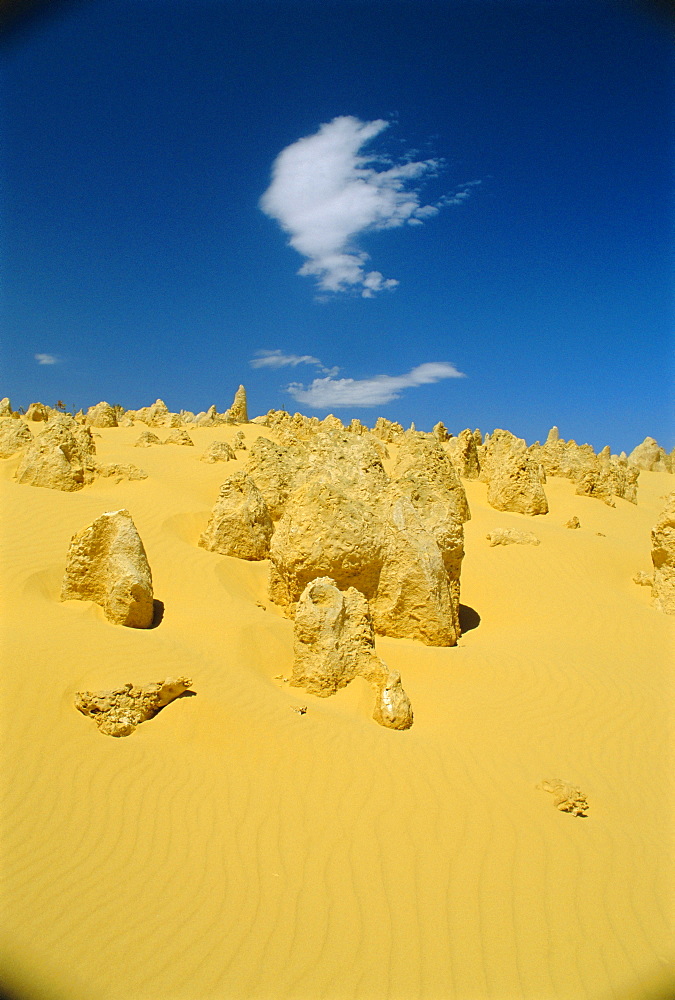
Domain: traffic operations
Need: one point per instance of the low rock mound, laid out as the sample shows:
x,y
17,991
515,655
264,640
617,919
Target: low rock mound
x,y
218,451
511,536
334,642
101,415
118,712
180,437
566,797
651,457
120,472
107,564
663,559
146,440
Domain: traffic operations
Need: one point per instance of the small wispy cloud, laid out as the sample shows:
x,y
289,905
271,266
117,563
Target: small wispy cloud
x,y
332,393
46,359
324,193
277,359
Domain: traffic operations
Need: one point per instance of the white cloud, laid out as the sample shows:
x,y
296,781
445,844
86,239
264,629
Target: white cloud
x,y
277,359
324,193
331,393
46,359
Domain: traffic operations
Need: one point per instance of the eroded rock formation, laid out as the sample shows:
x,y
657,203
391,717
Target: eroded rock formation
x,y
107,564
511,536
239,410
240,523
463,453
334,642
650,457
61,457
101,415
513,476
566,797
14,436
663,559
146,440
179,436
218,451
118,712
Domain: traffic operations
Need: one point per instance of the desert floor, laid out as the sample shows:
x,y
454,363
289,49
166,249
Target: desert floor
x,y
232,848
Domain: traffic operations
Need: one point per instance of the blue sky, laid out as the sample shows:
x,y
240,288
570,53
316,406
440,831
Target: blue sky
x,y
478,195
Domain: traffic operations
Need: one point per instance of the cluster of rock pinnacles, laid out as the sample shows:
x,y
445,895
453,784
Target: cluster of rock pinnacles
x,y
353,550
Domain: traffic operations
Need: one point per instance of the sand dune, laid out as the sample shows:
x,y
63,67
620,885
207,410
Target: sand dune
x,y
232,848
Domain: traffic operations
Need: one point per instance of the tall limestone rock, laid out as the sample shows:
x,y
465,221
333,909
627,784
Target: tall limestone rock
x,y
463,454
334,642
515,485
107,564
240,524
62,457
239,410
663,558
422,460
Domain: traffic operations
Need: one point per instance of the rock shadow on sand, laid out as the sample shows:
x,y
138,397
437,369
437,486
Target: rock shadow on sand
x,y
468,618
157,613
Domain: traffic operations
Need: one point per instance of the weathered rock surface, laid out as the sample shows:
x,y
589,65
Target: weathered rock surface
x,y
179,436
511,536
515,485
650,457
39,412
14,436
101,415
6,407
334,642
118,712
107,564
324,532
566,797
463,454
422,461
273,469
573,522
61,457
146,440
592,483
643,579
157,415
119,472
602,476
239,410
240,523
218,451
663,559
239,442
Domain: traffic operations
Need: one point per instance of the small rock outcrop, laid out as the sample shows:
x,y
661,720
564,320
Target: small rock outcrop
x,y
334,642
511,536
238,412
515,486
39,412
107,564
218,451
573,522
566,797
118,712
157,415
663,559
101,415
239,442
240,523
61,457
120,472
6,407
146,440
650,457
643,579
14,436
179,436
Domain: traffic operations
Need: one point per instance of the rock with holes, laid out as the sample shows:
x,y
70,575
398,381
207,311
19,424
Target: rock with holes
x,y
566,797
61,457
107,564
39,412
515,485
663,559
240,523
118,712
334,642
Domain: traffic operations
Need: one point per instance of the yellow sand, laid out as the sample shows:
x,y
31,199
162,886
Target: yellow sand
x,y
232,848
